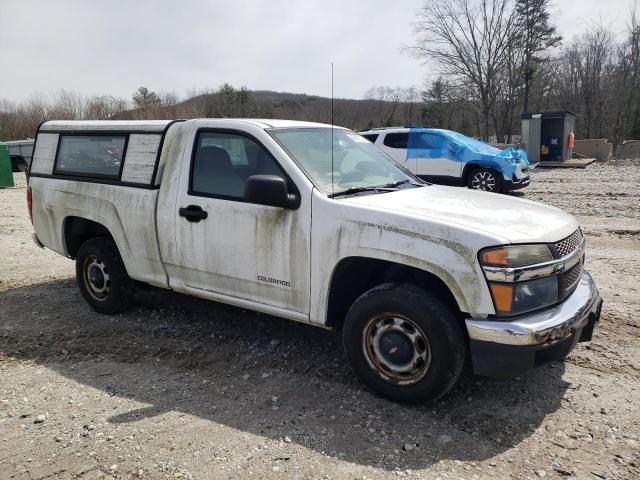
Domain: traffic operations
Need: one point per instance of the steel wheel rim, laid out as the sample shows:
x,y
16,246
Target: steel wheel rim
x,y
96,278
384,343
484,181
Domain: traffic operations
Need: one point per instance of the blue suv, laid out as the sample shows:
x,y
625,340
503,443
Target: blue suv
x,y
450,158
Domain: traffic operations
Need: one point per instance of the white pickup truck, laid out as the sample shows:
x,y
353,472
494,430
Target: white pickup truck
x,y
313,223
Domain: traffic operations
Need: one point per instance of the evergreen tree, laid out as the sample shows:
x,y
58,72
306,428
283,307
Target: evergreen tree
x,y
145,101
537,34
436,104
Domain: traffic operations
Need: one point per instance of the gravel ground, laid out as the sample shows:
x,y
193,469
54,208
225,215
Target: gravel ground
x,y
184,388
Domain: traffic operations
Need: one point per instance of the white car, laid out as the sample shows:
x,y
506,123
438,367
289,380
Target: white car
x,y
450,158
315,224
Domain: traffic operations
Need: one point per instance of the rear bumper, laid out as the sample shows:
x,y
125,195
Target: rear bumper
x,y
505,349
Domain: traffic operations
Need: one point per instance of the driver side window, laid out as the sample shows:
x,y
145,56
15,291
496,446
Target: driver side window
x,y
222,162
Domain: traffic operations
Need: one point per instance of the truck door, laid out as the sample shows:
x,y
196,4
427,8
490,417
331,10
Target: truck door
x,y
232,248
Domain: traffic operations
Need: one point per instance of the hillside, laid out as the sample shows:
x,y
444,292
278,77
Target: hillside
x,y
355,114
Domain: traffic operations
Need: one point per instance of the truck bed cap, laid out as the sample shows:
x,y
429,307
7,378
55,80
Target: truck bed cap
x,y
107,125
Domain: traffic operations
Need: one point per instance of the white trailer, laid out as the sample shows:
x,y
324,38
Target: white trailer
x,y
21,152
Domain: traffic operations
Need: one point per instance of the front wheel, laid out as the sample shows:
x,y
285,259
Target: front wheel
x,y
486,180
404,343
102,277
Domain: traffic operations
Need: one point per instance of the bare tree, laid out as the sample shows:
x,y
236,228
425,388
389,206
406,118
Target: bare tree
x,y
628,81
468,39
103,107
591,57
508,91
66,105
386,100
19,121
410,98
448,105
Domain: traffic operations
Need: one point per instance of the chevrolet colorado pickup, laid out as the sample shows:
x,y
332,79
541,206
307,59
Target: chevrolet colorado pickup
x,y
315,224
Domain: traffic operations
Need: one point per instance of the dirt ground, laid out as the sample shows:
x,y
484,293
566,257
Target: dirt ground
x,y
184,388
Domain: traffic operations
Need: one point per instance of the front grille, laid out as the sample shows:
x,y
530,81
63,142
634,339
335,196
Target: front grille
x,y
570,278
566,246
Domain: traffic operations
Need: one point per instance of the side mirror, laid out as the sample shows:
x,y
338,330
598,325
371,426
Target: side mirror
x,y
269,190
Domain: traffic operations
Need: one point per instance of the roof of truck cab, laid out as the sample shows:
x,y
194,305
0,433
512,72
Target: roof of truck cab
x,y
276,123
264,123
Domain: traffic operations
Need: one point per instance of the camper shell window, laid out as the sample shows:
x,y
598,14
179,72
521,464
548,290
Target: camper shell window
x,y
91,155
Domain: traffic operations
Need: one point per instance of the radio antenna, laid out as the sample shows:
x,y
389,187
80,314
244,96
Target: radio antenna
x,y
332,168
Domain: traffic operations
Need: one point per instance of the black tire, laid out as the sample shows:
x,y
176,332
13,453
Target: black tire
x,y
429,317
98,259
485,179
18,163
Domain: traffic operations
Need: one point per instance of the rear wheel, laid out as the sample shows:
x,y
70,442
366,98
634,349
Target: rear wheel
x,y
102,277
404,343
14,164
485,179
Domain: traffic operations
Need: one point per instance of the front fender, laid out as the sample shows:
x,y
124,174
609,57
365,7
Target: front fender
x,y
503,162
340,231
458,275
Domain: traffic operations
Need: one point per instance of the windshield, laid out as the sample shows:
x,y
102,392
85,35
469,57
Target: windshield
x,y
357,163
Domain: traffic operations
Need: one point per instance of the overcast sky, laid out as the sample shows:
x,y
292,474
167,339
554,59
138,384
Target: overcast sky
x,y
114,46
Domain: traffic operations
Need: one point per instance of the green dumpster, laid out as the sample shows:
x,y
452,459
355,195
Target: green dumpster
x,y
6,173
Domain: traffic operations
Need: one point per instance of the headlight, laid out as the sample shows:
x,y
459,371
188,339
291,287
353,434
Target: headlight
x,y
503,267
515,256
522,297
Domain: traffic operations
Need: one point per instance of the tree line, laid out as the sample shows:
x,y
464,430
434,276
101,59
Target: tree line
x,y
499,58
19,120
383,106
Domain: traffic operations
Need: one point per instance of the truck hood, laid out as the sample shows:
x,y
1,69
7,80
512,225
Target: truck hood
x,y
512,219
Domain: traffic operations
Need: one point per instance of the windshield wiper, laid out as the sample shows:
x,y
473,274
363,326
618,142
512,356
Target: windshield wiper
x,y
401,182
387,187
353,190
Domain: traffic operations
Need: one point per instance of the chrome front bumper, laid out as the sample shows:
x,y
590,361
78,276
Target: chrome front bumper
x,y
547,325
504,348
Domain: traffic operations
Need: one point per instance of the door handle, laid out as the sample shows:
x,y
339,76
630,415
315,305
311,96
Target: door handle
x,y
193,213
